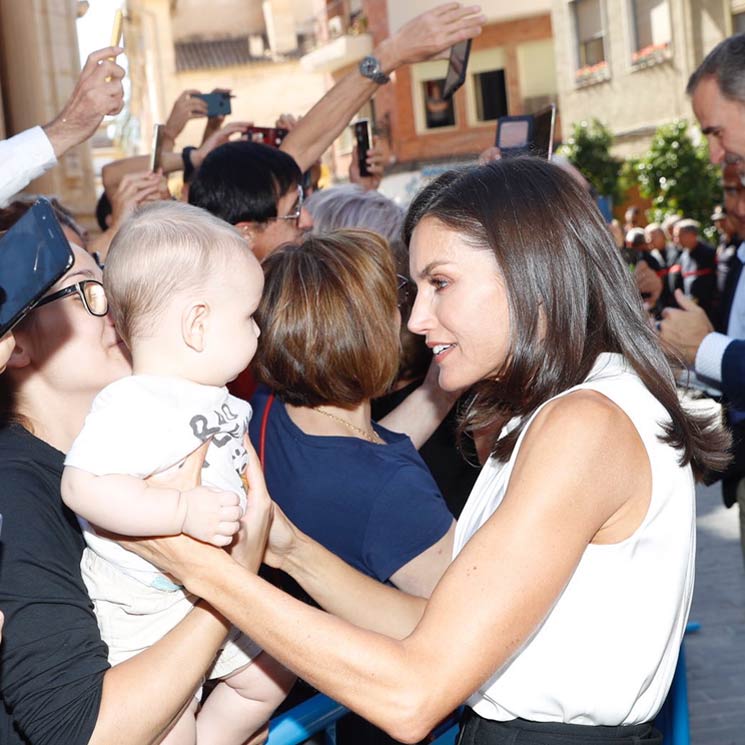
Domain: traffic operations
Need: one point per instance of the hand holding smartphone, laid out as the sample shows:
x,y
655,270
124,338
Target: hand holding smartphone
x,y
272,136
218,102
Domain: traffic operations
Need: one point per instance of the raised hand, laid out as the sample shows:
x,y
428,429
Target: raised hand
x,y
374,166
133,190
220,137
97,93
431,33
187,106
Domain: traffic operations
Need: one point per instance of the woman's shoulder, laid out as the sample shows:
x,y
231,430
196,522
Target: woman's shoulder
x,y
23,452
585,419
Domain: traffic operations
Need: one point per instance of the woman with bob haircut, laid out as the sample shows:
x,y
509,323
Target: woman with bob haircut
x,y
560,617
329,325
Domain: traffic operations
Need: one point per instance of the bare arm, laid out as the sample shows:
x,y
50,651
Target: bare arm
x,y
130,506
113,173
421,38
422,411
334,585
420,576
143,695
581,464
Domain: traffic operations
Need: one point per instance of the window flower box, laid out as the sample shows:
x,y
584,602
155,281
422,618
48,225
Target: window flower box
x,y
652,54
590,74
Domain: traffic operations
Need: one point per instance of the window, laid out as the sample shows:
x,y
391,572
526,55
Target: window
x,y
590,35
491,95
651,22
437,111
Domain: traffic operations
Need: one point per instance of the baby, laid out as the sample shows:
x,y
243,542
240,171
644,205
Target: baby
x,y
182,287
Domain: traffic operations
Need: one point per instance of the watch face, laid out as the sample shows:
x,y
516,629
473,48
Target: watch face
x,y
369,65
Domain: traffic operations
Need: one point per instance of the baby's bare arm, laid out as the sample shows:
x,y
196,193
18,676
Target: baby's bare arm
x,y
130,506
123,504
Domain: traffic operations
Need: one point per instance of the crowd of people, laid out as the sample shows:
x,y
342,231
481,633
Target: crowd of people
x,y
416,459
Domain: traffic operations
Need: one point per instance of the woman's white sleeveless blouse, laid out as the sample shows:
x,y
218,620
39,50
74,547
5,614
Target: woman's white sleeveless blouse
x,y
607,651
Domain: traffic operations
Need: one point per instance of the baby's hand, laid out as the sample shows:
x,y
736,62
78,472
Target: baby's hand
x,y
211,515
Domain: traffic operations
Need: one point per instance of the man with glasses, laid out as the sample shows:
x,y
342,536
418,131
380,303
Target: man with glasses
x,y
257,189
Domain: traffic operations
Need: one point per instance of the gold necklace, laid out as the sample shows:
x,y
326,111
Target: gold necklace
x,y
371,436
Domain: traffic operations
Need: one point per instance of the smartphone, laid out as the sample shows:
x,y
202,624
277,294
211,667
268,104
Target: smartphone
x,y
218,103
34,254
544,127
363,139
116,34
116,29
273,136
457,65
528,134
157,147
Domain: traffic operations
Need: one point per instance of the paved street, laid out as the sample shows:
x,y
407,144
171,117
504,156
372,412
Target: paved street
x,y
716,653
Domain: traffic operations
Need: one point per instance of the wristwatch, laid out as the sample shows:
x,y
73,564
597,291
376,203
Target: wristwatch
x,y
370,68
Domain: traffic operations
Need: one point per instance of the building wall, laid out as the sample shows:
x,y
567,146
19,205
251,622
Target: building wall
x,y
190,19
522,47
262,90
496,11
634,100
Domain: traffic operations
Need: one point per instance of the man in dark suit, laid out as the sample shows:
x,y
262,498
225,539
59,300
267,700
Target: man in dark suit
x,y
696,269
718,355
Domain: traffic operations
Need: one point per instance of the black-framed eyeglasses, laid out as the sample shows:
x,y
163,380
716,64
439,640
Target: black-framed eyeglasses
x,y
294,214
404,289
90,291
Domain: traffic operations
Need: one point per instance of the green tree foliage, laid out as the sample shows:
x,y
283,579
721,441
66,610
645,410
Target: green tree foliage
x,y
588,150
677,176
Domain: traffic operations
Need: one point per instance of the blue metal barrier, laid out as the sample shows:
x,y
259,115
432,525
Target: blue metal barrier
x,y
295,726
673,720
320,714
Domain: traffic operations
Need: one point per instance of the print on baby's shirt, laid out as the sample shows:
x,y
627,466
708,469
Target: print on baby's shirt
x,y
223,427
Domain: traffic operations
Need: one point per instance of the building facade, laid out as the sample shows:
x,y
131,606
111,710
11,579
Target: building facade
x,y
511,71
250,47
627,62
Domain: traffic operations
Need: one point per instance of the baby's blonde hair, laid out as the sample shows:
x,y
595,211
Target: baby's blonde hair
x,y
163,249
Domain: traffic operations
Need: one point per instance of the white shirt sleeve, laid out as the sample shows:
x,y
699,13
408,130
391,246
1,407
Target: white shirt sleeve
x,y
23,158
709,356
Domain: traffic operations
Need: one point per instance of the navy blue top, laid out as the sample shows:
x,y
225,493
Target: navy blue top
x,y
375,506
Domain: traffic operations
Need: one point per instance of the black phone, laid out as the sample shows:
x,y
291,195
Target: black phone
x,y
362,138
218,103
528,134
34,254
273,136
457,66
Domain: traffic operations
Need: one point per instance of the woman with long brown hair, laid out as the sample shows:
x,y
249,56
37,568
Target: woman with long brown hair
x,y
561,615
